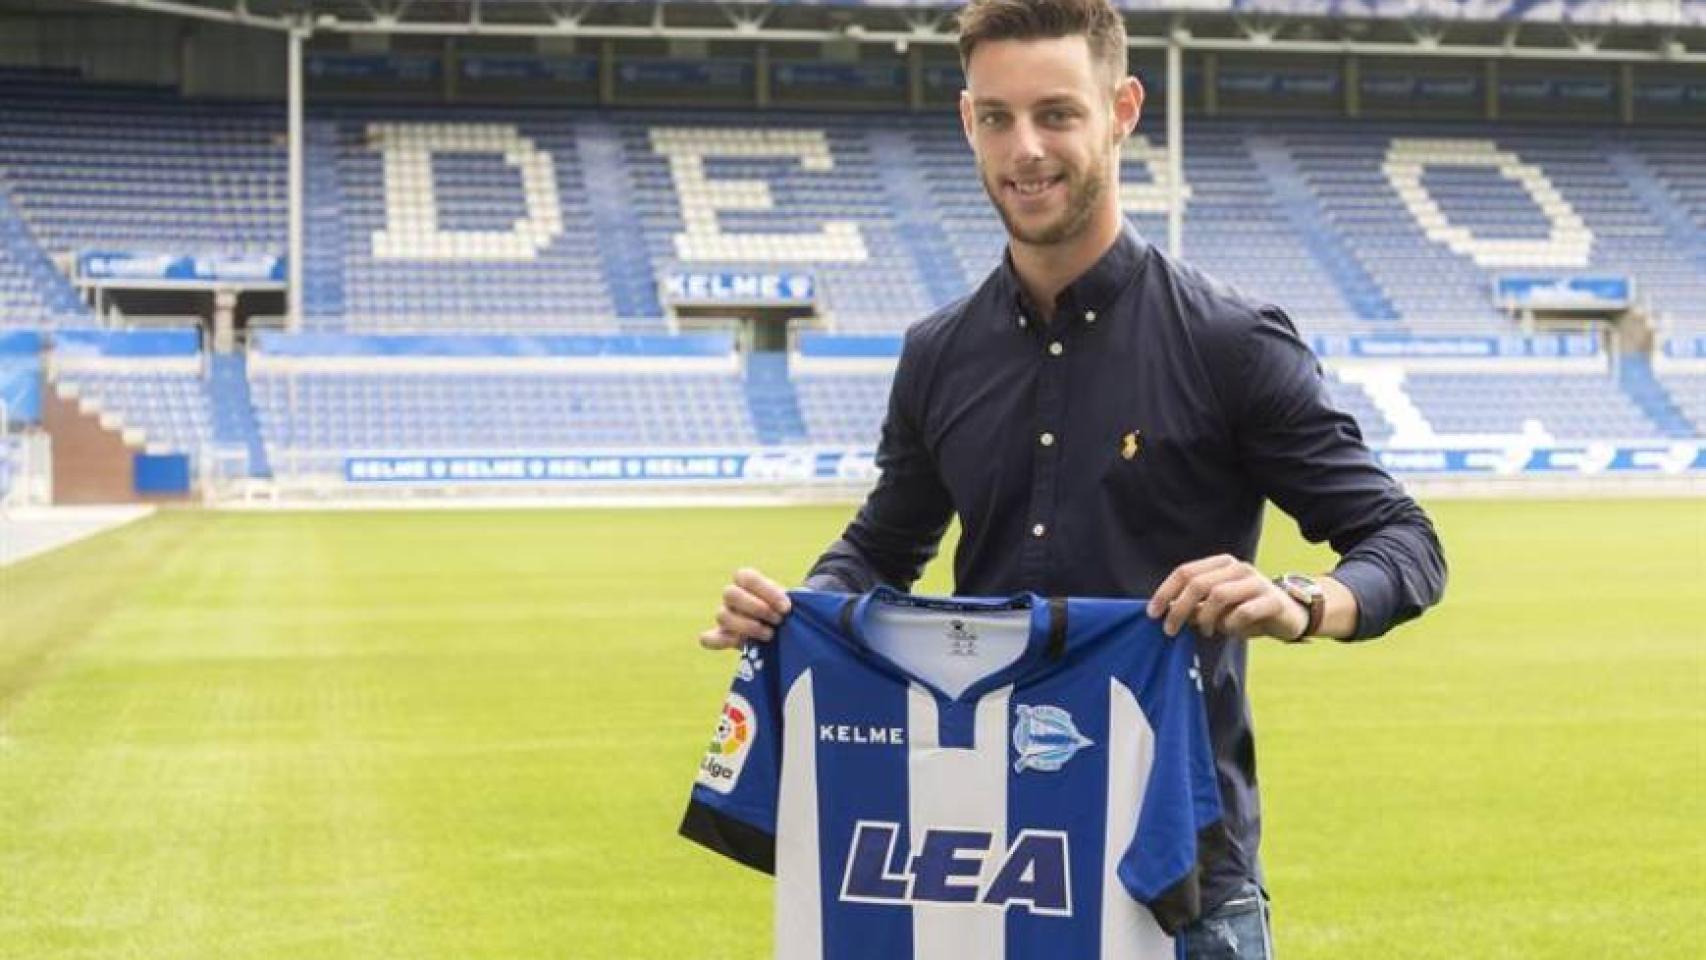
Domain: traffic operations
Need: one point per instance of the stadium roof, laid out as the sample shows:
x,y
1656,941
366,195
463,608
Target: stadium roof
x,y
1628,30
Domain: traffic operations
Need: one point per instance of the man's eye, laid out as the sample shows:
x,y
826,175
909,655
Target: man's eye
x,y
1057,117
992,119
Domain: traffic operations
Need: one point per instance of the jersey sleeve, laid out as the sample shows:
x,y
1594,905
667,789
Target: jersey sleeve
x,y
1179,824
732,809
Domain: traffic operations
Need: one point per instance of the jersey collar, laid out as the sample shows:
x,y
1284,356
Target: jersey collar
x,y
1047,641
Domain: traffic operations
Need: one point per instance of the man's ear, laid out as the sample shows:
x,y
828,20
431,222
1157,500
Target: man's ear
x,y
967,118
1128,107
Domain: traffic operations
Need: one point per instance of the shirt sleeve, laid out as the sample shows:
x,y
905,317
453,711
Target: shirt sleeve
x,y
897,530
1179,825
1309,458
732,809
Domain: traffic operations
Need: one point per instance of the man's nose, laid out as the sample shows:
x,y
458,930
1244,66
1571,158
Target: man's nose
x,y
1027,142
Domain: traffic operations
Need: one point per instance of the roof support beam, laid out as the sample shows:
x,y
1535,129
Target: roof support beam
x,y
569,18
238,14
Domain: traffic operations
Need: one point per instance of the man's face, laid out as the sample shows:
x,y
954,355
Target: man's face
x,y
1041,121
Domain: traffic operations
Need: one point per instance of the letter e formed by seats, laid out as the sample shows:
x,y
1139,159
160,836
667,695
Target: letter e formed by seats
x,y
703,197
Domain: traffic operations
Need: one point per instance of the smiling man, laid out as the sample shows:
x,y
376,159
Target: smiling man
x,y
1107,421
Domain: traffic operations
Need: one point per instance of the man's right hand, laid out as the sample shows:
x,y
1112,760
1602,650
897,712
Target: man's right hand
x,y
753,606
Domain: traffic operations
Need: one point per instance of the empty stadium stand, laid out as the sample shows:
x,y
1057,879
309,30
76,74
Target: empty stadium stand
x,y
107,167
1583,406
1688,392
497,230
315,405
532,219
148,386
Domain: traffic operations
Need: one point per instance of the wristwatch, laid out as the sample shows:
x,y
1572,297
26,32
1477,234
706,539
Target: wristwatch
x,y
1308,593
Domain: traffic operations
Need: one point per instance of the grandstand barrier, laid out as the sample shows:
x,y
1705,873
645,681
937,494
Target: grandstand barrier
x,y
76,345
751,465
180,270
820,348
495,346
773,465
1594,294
1681,351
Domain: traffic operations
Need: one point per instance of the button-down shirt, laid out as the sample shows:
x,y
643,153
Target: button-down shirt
x,y
1141,427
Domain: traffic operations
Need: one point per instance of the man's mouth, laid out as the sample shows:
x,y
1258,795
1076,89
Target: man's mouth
x,y
1034,186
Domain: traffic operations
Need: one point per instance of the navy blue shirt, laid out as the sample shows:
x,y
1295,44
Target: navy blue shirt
x,y
1141,428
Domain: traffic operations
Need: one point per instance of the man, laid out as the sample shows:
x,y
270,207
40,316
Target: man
x,y
1106,421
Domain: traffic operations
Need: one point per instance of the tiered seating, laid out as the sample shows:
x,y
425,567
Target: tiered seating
x,y
1688,390
1584,406
146,384
1428,284
477,224
1351,398
1663,167
144,171
843,407
1434,214
804,193
312,418
32,292
165,409
533,219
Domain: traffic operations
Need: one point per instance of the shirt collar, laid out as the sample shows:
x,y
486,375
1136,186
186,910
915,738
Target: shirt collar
x,y
1090,296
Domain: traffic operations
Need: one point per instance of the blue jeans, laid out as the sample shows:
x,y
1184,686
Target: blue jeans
x,y
1238,929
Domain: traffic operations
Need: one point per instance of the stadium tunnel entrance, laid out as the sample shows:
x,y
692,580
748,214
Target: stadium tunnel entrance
x,y
756,329
225,315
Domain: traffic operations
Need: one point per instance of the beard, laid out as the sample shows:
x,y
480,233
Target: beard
x,y
1083,193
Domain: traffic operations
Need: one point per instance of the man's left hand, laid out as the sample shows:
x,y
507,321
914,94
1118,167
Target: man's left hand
x,y
1223,594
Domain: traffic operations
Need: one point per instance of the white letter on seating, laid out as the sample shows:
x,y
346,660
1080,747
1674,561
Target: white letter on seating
x,y
411,205
1565,245
1148,197
702,197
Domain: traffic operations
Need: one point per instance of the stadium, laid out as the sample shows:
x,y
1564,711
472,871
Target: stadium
x,y
387,387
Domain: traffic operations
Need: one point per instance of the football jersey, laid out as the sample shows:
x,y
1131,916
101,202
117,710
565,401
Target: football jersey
x,y
989,778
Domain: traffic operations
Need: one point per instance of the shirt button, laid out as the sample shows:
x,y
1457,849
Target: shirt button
x,y
1022,321
1089,316
1047,439
1055,349
1038,530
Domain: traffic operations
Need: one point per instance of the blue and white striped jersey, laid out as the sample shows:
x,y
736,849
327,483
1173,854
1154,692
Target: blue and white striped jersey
x,y
929,778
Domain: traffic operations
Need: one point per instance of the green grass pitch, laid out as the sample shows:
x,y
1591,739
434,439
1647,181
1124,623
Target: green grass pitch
x,y
470,735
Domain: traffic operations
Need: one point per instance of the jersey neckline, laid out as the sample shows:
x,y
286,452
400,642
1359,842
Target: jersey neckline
x,y
1044,643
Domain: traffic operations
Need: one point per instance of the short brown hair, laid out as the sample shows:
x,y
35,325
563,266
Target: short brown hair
x,y
1095,20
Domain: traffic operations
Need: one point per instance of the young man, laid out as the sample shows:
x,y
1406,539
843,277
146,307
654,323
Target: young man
x,y
1106,421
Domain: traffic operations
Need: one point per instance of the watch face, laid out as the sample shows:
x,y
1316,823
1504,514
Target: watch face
x,y
1300,586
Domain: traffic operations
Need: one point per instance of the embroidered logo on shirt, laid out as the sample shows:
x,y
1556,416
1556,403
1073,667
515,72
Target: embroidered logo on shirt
x,y
1045,738
1131,445
751,661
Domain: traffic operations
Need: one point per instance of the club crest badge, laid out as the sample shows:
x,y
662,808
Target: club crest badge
x,y
1045,738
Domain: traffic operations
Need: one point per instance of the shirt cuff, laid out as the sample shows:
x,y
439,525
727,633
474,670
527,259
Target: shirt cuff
x,y
1373,591
827,583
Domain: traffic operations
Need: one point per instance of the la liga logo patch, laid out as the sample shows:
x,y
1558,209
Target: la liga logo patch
x,y
726,755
